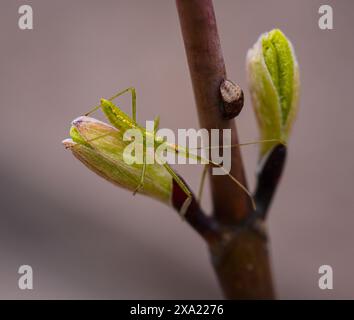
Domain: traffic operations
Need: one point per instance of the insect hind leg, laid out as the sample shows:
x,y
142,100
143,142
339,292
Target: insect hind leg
x,y
133,95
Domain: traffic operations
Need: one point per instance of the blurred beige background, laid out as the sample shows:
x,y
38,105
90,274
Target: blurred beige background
x,y
85,238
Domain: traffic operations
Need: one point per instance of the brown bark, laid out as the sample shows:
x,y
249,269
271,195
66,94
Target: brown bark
x,y
242,265
207,70
239,252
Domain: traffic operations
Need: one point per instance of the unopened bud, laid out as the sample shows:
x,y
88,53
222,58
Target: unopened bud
x,y
273,77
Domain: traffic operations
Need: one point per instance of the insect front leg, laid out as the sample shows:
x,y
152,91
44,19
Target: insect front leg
x,y
179,181
142,176
141,182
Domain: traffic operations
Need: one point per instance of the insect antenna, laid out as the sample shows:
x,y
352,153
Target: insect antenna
x,y
92,111
241,144
237,182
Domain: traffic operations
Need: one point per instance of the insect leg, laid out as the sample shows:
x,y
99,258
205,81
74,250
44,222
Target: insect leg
x,y
184,188
142,176
202,182
156,124
178,180
184,151
133,93
141,183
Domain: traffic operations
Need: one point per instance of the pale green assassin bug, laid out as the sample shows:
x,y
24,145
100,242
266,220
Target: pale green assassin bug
x,y
122,121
